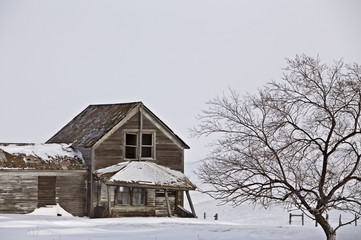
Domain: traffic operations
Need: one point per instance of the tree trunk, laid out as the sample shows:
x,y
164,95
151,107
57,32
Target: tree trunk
x,y
330,233
332,236
328,230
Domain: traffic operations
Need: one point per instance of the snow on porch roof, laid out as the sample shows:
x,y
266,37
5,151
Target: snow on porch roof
x,y
143,173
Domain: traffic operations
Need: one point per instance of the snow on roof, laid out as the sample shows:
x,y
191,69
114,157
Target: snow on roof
x,y
144,173
40,156
43,151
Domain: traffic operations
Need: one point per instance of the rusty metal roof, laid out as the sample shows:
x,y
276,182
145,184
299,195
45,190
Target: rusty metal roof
x,y
95,121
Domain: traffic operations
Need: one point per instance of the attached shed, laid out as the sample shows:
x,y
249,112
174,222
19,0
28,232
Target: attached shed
x,y
37,175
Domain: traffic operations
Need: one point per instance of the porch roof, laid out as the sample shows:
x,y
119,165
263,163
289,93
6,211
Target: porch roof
x,y
144,174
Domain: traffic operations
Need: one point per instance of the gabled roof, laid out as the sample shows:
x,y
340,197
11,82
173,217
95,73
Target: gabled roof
x,y
87,128
40,156
144,173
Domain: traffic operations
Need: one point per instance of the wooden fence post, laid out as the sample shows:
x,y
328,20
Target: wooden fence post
x,y
355,220
290,219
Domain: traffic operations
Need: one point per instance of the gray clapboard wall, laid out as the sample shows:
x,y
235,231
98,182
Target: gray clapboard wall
x,y
167,152
19,190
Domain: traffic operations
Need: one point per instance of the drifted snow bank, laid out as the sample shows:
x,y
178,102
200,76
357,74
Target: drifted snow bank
x,y
51,210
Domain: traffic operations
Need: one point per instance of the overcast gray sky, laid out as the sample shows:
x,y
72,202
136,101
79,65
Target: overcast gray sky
x,y
57,57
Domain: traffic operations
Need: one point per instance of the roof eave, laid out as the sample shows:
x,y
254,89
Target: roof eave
x,y
153,186
164,126
129,115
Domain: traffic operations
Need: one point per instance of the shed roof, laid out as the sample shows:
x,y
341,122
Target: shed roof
x,y
40,156
146,174
88,127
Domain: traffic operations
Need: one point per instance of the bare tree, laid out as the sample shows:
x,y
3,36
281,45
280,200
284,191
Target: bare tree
x,y
297,142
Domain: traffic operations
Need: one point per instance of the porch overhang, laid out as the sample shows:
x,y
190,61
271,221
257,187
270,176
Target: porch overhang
x,y
145,174
140,185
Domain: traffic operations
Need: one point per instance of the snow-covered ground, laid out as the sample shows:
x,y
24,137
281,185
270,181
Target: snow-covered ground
x,y
244,222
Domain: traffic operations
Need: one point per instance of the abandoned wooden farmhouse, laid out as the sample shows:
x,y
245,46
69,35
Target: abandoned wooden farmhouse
x,y
113,160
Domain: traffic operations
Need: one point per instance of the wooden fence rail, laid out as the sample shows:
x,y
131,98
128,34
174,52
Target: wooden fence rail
x,y
297,215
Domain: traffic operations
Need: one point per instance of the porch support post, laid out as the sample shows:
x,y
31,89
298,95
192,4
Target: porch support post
x,y
99,189
190,203
167,201
176,199
109,202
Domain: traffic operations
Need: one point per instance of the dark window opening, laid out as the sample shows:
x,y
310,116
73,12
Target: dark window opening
x,y
147,139
131,145
147,145
131,139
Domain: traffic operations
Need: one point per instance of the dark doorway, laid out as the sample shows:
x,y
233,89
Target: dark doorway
x,y
46,191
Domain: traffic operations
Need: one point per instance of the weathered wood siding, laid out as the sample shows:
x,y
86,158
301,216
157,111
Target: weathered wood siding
x,y
72,192
19,190
161,204
167,152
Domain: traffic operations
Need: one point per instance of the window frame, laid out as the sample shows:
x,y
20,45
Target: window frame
x,y
131,194
136,133
125,194
141,196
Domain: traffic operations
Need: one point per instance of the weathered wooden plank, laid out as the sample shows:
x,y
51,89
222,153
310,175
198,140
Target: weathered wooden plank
x,y
109,201
167,203
191,204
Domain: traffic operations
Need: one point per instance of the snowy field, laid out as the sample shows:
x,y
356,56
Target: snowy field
x,y
241,223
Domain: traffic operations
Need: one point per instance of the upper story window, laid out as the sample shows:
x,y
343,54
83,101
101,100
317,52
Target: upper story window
x,y
131,145
131,142
147,145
